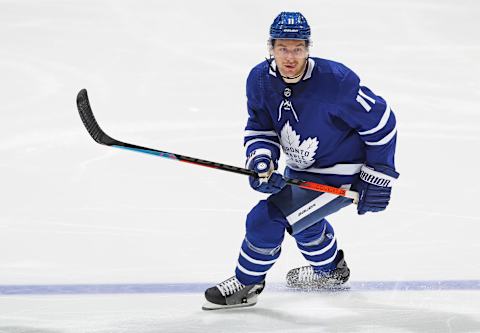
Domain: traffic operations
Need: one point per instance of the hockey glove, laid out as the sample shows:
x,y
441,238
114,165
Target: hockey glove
x,y
374,188
269,181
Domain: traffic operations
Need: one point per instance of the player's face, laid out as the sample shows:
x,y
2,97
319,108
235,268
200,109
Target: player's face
x,y
290,56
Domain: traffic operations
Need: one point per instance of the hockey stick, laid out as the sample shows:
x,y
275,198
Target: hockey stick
x,y
101,137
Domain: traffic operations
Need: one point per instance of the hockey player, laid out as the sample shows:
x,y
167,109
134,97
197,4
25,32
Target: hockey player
x,y
333,130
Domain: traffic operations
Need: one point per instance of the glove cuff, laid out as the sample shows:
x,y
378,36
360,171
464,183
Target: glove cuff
x,y
369,175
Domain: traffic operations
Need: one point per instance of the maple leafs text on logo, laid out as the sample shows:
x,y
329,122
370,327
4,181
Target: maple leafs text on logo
x,y
300,154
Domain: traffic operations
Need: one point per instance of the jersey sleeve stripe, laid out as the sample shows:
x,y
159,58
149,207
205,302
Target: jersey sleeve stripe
x,y
249,142
386,139
381,124
254,133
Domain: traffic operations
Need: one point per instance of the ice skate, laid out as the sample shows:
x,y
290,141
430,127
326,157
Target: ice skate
x,y
306,278
231,293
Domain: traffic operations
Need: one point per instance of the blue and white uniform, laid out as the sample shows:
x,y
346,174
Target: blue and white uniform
x,y
328,125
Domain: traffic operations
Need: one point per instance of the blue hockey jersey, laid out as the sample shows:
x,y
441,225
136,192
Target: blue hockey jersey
x,y
328,124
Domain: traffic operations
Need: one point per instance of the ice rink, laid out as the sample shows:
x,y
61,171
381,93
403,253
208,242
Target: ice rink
x,y
96,240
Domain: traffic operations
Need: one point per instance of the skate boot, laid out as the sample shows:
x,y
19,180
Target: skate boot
x,y
231,293
307,278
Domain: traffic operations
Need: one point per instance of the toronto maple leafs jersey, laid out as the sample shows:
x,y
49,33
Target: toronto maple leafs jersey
x,y
327,124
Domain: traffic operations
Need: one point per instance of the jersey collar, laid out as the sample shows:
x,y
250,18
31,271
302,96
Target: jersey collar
x,y
272,69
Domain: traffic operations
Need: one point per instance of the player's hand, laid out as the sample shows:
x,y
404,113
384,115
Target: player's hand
x,y
269,181
374,188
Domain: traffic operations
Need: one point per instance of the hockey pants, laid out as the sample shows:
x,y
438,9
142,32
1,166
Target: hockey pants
x,y
302,214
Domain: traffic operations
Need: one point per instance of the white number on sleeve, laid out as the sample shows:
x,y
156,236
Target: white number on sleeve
x,y
362,98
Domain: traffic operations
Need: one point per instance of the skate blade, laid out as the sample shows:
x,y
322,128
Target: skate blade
x,y
209,306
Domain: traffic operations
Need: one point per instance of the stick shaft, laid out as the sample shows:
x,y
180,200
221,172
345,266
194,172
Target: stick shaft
x,y
182,158
86,114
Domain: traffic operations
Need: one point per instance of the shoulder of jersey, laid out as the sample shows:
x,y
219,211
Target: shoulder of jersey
x,y
260,68
330,67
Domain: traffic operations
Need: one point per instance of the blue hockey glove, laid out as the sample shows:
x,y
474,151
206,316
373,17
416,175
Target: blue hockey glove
x,y
269,181
374,188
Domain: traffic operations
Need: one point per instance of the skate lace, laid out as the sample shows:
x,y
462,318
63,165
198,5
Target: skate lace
x,y
230,286
307,274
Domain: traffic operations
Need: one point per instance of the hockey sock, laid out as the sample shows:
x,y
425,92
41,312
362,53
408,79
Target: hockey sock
x,y
254,262
319,246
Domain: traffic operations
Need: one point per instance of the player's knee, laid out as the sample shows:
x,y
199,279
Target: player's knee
x,y
315,234
265,225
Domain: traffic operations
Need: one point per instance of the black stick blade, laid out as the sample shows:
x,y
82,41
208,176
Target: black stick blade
x,y
85,111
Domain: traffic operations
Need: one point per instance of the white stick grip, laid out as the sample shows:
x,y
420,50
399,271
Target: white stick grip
x,y
352,195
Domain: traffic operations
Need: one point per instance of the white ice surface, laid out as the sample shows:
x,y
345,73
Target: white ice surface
x,y
276,312
171,75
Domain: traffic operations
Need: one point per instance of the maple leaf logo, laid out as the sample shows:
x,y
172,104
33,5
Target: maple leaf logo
x,y
300,155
